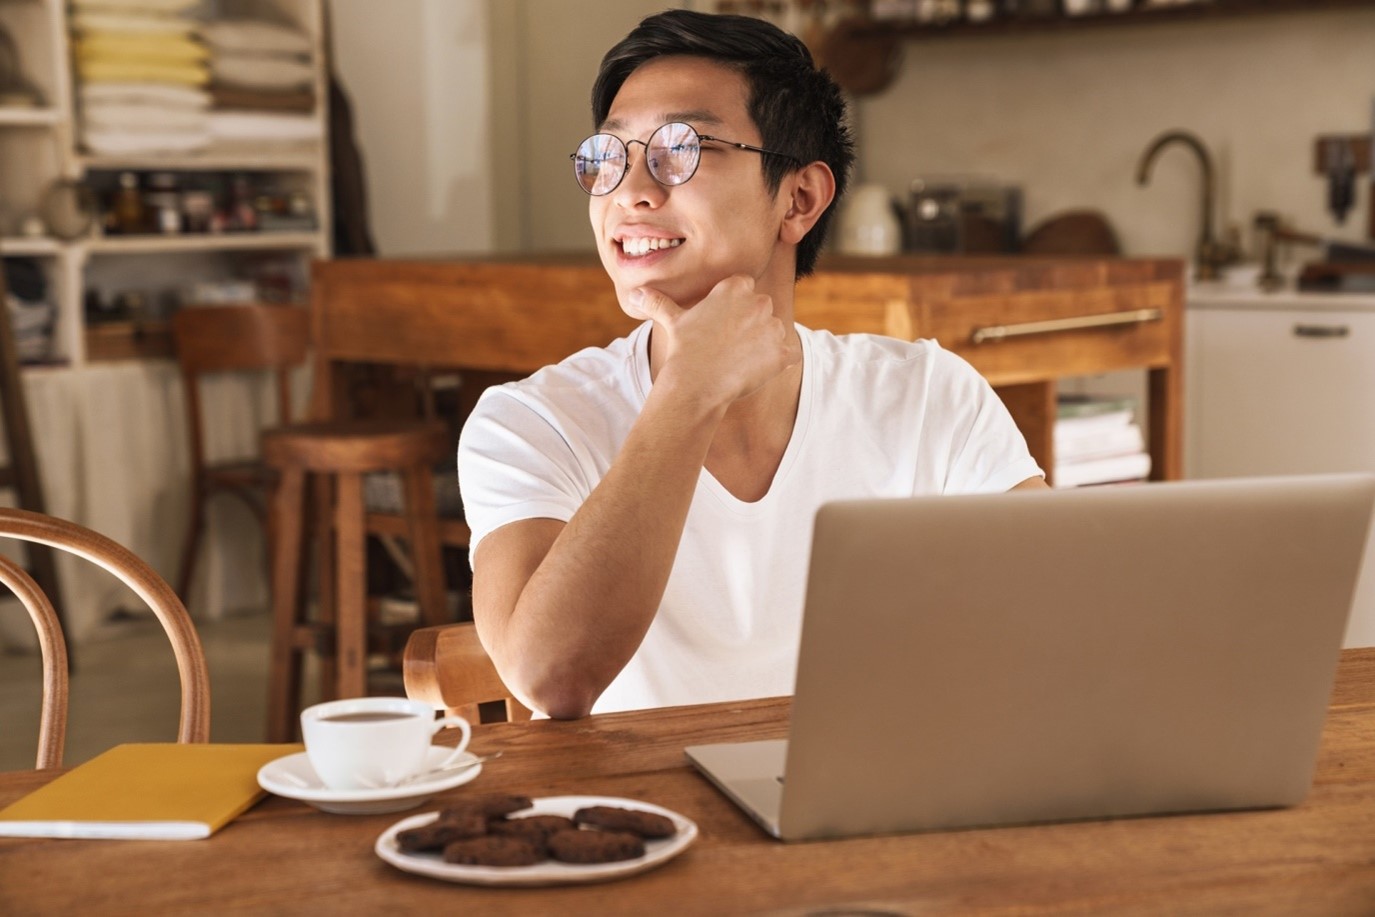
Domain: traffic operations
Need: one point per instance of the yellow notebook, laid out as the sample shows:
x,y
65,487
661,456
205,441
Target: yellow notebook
x,y
161,791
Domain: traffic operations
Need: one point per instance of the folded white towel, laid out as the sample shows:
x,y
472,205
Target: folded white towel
x,y
255,36
86,21
145,93
117,116
128,142
248,125
257,72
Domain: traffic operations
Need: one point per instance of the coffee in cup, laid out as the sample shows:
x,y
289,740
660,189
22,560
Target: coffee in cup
x,y
374,742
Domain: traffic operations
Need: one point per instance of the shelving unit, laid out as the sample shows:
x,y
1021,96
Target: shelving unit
x,y
1206,10
41,145
227,242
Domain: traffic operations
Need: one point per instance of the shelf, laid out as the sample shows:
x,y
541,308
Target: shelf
x,y
29,117
215,160
129,340
244,241
1210,10
41,143
24,247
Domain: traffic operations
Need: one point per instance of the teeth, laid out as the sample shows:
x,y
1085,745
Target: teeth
x,y
643,246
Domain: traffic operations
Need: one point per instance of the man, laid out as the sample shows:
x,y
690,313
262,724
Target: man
x,y
642,513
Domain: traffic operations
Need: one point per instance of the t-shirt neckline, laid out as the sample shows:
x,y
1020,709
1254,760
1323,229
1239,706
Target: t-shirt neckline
x,y
706,481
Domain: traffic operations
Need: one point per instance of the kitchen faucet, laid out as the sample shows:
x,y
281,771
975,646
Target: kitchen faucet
x,y
1210,254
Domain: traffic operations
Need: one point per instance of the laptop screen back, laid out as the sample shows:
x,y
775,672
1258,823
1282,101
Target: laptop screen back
x,y
1012,658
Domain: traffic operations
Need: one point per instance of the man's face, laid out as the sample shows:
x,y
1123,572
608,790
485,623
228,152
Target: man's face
x,y
682,240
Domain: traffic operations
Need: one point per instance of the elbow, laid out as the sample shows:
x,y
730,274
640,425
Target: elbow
x,y
561,695
564,699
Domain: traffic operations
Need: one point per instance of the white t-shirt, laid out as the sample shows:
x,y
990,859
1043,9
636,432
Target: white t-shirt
x,y
877,417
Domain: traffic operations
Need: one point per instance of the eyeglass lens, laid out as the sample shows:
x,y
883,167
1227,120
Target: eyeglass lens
x,y
671,155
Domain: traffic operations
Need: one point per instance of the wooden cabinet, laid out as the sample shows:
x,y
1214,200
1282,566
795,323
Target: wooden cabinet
x,y
1025,323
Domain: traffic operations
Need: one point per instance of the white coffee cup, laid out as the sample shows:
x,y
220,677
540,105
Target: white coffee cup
x,y
374,742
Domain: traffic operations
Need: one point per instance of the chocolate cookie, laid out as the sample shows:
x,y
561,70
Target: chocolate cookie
x,y
579,846
492,805
493,851
445,830
533,828
610,818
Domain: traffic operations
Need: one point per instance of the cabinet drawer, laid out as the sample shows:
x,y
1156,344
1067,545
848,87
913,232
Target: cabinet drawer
x,y
1023,336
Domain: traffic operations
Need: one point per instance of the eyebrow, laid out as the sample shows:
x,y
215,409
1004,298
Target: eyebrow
x,y
691,116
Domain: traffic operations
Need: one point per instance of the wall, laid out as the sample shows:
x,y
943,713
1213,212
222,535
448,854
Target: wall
x,y
1067,116
548,104
468,151
418,74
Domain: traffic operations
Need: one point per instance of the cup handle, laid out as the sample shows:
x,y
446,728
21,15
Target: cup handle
x,y
464,727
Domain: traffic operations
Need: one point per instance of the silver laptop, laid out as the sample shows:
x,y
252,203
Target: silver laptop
x,y
1044,656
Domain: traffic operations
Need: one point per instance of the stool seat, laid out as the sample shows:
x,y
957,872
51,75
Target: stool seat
x,y
356,446
338,455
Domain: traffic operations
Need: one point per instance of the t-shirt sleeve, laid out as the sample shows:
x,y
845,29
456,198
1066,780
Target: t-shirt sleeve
x,y
988,452
513,464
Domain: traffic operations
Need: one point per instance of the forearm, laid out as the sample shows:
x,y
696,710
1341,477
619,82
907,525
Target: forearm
x,y
585,608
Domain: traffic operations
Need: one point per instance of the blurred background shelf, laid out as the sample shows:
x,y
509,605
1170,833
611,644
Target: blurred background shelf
x,y
226,242
1138,15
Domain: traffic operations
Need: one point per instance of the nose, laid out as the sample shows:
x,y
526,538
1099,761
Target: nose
x,y
638,187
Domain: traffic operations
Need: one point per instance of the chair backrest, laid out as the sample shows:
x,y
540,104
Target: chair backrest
x,y
475,316
237,338
448,667
194,724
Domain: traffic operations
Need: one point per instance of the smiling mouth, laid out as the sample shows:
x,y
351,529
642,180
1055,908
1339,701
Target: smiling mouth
x,y
639,247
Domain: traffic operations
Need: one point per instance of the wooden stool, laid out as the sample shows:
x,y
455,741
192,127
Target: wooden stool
x,y
341,453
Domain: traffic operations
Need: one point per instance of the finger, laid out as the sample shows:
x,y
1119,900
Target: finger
x,y
654,305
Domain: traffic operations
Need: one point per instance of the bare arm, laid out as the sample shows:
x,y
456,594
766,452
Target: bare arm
x,y
562,608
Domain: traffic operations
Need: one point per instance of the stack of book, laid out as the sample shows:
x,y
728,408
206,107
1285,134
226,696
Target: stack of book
x,y
1098,441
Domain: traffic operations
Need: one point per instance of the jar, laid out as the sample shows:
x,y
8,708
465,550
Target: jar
x,y
164,203
868,223
126,209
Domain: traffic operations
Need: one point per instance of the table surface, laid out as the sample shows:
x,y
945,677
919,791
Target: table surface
x,y
283,856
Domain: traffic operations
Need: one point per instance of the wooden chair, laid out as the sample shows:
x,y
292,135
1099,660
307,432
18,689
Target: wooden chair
x,y
428,322
37,528
213,340
337,455
449,668
484,321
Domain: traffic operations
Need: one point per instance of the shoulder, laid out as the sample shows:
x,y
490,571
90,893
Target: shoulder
x,y
876,353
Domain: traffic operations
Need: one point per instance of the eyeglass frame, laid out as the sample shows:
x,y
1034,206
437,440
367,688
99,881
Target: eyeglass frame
x,y
625,145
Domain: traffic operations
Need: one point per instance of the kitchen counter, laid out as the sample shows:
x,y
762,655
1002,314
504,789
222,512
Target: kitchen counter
x,y
1249,296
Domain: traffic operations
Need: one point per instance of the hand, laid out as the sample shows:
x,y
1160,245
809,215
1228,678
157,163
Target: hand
x,y
727,346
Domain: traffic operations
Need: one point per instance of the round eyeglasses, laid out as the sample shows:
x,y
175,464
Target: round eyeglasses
x,y
672,155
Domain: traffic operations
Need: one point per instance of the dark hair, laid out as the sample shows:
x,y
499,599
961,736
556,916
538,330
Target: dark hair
x,y
798,108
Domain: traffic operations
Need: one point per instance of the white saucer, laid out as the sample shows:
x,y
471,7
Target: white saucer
x,y
294,778
550,872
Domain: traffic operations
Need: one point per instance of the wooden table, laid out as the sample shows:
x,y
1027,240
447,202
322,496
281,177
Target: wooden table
x,y
285,857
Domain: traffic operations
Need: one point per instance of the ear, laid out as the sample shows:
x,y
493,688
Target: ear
x,y
807,193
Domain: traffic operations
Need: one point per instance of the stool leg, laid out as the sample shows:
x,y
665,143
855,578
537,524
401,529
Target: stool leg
x,y
351,615
284,676
423,520
326,600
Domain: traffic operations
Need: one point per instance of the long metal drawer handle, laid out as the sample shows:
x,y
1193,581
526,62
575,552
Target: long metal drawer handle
x,y
1079,322
1321,331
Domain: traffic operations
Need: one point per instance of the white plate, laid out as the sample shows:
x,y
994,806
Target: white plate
x,y
550,872
294,778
